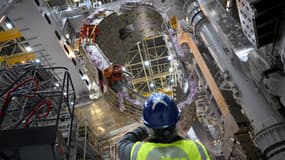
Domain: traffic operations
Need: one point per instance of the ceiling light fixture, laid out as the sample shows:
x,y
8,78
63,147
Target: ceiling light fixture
x,y
56,84
146,63
9,25
67,36
28,49
37,61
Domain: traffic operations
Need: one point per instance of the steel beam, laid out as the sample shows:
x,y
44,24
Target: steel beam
x,y
18,58
186,38
156,76
144,69
10,35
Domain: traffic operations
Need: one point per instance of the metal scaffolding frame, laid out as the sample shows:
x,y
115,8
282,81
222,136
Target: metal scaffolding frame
x,y
150,65
33,97
13,47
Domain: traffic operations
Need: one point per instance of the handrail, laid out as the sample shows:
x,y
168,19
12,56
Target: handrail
x,y
65,99
7,98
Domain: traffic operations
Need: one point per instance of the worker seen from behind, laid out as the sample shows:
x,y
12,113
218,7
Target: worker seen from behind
x,y
159,140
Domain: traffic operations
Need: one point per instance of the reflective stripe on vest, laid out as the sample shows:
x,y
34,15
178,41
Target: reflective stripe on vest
x,y
179,150
201,150
135,150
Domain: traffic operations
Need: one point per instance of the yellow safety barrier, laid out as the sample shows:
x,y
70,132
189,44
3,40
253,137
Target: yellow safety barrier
x,y
10,35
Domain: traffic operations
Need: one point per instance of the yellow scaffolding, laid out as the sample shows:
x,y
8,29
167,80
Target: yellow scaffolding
x,y
160,90
17,58
10,35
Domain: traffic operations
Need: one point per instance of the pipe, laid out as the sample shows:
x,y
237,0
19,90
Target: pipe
x,y
37,109
8,95
268,125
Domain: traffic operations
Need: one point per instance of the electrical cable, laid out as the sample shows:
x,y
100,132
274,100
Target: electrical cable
x,y
9,93
37,109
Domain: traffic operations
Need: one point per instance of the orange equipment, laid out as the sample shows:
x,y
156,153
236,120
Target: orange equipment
x,y
113,73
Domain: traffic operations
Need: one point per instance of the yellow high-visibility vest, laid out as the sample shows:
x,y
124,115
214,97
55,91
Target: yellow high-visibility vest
x,y
179,150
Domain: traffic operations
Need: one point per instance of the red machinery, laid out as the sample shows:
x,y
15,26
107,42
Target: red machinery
x,y
113,73
88,32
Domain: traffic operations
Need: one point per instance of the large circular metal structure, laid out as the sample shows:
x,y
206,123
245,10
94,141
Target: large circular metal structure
x,y
119,32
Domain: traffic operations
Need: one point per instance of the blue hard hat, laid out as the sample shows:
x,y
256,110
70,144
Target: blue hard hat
x,y
160,111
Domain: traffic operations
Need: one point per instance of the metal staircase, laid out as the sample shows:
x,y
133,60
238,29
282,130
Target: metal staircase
x,y
36,120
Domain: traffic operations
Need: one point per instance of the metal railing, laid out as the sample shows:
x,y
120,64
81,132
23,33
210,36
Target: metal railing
x,y
37,99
